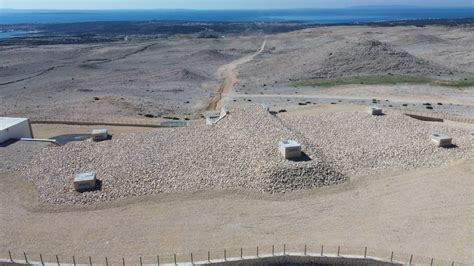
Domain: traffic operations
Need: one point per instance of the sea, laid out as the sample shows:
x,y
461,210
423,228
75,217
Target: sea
x,y
312,16
340,15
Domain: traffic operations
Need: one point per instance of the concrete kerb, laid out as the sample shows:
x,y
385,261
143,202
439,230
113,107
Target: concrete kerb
x,y
434,117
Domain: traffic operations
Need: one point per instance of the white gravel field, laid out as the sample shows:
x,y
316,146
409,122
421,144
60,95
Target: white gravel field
x,y
241,153
238,153
362,144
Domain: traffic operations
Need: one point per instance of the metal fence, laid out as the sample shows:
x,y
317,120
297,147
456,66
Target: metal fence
x,y
229,255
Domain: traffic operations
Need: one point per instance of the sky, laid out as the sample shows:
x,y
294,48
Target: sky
x,y
220,4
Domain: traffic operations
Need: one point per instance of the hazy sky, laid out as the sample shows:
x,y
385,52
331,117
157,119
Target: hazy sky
x,y
218,4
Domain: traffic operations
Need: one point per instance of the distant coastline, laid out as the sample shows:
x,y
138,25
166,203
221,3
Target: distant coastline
x,y
109,31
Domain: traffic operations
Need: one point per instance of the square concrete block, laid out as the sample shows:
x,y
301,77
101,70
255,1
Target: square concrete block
x,y
99,134
290,149
441,140
85,181
374,110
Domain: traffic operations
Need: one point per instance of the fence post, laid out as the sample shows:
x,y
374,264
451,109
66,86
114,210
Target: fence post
x,y
284,249
175,259
338,250
57,259
391,257
26,259
273,250
141,261
432,260
452,264
158,260
10,255
305,249
241,253
41,259
90,261
322,249
209,256
192,261
123,261
106,262
225,255
257,251
365,252
411,258
73,260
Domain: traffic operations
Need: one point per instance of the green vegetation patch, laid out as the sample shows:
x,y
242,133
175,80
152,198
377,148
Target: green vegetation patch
x,y
384,80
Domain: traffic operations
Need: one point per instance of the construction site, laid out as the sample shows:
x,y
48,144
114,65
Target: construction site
x,y
257,164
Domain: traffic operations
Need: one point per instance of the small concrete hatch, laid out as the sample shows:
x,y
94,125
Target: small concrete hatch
x,y
290,149
100,134
374,110
85,181
442,140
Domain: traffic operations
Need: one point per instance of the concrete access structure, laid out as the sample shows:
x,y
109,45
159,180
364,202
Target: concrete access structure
x,y
13,128
290,149
100,134
85,181
442,140
374,110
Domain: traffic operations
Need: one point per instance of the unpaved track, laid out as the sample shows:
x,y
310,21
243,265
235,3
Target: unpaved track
x,y
427,212
230,75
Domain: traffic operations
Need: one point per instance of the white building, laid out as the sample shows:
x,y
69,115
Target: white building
x,y
14,128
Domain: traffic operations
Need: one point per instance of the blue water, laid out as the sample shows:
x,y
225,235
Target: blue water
x,y
317,16
9,34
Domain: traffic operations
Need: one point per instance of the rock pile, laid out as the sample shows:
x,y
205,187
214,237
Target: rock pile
x,y
358,143
240,152
371,57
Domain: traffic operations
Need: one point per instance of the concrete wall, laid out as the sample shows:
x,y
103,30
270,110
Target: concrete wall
x,y
16,131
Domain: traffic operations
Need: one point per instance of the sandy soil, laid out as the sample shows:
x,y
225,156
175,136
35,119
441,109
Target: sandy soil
x,y
418,212
230,77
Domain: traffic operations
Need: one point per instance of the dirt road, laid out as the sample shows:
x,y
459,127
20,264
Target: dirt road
x,y
230,75
427,212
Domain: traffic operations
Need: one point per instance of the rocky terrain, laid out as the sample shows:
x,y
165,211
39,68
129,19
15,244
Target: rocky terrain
x,y
240,152
177,76
370,57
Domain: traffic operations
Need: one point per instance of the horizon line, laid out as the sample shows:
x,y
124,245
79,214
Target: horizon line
x,y
229,9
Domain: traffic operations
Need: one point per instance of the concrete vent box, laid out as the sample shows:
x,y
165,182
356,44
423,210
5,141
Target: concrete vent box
x,y
99,134
290,149
85,181
442,140
374,110
14,128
